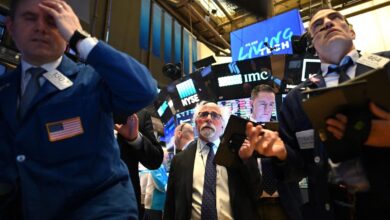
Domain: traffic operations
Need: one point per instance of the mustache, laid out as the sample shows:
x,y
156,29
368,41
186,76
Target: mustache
x,y
207,125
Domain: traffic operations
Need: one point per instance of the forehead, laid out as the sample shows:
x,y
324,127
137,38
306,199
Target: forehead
x,y
265,96
210,107
27,5
322,14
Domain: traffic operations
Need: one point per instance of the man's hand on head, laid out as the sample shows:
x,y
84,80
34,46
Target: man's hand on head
x,y
63,15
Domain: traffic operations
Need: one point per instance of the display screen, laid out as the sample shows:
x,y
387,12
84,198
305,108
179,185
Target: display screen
x,y
163,106
169,130
298,68
237,79
185,117
269,37
239,107
187,92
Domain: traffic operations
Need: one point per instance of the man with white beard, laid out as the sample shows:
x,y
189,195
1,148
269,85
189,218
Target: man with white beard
x,y
200,189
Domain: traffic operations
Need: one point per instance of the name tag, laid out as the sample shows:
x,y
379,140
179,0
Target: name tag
x,y
305,139
373,61
58,79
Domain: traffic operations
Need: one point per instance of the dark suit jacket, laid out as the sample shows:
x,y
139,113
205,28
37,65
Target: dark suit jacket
x,y
243,181
149,153
313,162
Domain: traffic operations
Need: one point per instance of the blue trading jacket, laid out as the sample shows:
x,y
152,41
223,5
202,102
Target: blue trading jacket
x,y
54,175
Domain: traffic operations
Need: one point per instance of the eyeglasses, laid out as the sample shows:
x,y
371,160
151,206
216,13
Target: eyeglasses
x,y
182,126
214,115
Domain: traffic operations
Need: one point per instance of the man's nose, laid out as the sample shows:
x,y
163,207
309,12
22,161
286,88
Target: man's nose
x,y
41,24
328,23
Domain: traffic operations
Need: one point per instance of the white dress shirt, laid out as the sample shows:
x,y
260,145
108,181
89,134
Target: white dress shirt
x,y
332,79
224,210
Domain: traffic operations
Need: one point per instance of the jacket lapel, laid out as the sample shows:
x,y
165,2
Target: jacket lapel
x,y
189,159
67,68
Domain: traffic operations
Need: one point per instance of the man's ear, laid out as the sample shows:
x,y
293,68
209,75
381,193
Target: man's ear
x,y
352,33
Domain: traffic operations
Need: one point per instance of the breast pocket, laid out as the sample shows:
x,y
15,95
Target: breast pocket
x,y
63,127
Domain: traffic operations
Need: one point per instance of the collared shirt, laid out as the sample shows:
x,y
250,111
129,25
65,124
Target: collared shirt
x,y
332,79
186,145
85,46
224,210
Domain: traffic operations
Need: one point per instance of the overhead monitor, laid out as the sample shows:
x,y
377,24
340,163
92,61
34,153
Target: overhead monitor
x,y
298,68
163,106
187,92
268,37
236,80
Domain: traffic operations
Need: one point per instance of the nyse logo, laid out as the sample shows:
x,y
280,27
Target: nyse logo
x,y
187,92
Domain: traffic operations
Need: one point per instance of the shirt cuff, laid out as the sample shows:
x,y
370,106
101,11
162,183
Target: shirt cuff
x,y
137,143
85,46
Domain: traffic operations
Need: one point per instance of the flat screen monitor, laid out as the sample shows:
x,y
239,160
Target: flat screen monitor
x,y
298,68
185,117
187,92
169,130
163,106
237,79
268,37
239,107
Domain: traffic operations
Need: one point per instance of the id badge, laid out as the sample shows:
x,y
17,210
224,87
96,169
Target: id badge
x,y
59,80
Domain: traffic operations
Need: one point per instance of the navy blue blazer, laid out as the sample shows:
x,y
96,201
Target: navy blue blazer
x,y
244,183
312,161
53,175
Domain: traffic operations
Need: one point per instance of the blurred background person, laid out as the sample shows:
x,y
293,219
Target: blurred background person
x,y
155,193
138,144
184,135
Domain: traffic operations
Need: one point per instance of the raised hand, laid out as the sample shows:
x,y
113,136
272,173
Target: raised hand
x,y
266,142
130,129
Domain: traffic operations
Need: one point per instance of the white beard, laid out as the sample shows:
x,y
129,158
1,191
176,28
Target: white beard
x,y
207,132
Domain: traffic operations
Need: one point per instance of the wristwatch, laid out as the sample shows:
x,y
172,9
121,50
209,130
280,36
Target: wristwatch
x,y
77,36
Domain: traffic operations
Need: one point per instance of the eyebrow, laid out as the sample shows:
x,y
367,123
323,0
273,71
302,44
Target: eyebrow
x,y
322,18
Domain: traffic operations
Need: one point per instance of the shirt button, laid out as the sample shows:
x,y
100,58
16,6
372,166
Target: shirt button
x,y
21,158
317,159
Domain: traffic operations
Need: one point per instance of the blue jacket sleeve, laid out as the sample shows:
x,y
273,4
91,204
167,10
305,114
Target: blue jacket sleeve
x,y
130,84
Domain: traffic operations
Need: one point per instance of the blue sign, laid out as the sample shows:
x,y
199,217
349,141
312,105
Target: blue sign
x,y
186,89
269,37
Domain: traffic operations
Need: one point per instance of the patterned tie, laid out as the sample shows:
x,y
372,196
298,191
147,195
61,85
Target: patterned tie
x,y
269,181
31,90
341,69
209,210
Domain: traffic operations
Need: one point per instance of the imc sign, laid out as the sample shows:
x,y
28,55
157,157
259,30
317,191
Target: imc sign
x,y
269,37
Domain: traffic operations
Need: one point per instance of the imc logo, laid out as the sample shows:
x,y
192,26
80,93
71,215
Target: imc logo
x,y
187,92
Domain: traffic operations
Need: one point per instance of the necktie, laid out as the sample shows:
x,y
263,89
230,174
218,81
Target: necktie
x,y
341,69
269,181
209,210
31,90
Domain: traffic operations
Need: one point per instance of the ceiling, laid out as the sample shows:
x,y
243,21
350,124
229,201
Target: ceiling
x,y
211,21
